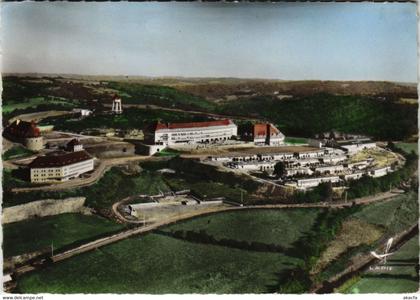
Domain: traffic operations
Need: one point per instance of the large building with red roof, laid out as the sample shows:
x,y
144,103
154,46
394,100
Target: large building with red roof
x,y
26,133
194,132
264,134
60,165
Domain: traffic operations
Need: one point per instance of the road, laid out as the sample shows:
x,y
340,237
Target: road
x,y
38,116
208,210
104,165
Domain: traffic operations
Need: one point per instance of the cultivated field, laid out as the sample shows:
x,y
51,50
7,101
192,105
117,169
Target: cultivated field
x,y
157,263
280,227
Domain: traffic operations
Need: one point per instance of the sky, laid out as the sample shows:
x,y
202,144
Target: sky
x,y
289,41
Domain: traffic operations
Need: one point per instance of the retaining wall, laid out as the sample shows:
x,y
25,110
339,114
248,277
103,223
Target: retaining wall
x,y
42,208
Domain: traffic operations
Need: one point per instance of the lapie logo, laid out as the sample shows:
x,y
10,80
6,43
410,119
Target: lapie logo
x,y
383,257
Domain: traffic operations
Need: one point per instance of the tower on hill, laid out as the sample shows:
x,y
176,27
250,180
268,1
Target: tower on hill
x,y
116,105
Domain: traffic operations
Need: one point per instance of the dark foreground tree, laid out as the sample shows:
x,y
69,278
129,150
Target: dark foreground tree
x,y
280,169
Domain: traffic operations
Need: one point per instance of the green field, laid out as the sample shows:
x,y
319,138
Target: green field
x,y
278,227
163,262
408,147
394,215
168,152
403,277
295,140
156,263
17,152
32,102
61,230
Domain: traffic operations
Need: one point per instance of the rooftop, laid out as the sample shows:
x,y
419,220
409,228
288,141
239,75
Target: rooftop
x,y
160,126
23,129
59,159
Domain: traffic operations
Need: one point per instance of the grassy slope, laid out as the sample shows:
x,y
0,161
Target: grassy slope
x,y
408,147
17,152
33,102
280,227
32,235
402,277
160,264
394,215
160,95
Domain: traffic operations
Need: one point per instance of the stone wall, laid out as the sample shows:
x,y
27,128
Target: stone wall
x,y
110,150
42,208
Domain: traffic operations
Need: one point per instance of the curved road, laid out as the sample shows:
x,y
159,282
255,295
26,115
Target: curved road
x,y
140,230
104,165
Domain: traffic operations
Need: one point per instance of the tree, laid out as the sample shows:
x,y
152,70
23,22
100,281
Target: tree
x,y
390,145
280,169
326,191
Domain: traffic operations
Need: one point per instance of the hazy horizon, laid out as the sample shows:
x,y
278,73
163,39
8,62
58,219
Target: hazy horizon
x,y
270,41
191,78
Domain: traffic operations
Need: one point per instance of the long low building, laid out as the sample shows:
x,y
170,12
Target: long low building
x,y
313,182
330,169
60,166
252,165
354,147
194,132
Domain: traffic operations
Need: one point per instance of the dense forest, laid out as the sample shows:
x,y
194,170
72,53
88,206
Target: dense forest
x,y
307,116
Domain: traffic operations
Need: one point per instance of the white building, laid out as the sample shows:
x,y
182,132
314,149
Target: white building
x,y
298,171
83,112
379,172
313,182
353,176
333,159
332,169
74,145
355,147
60,166
266,134
316,143
310,154
196,132
252,165
358,165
